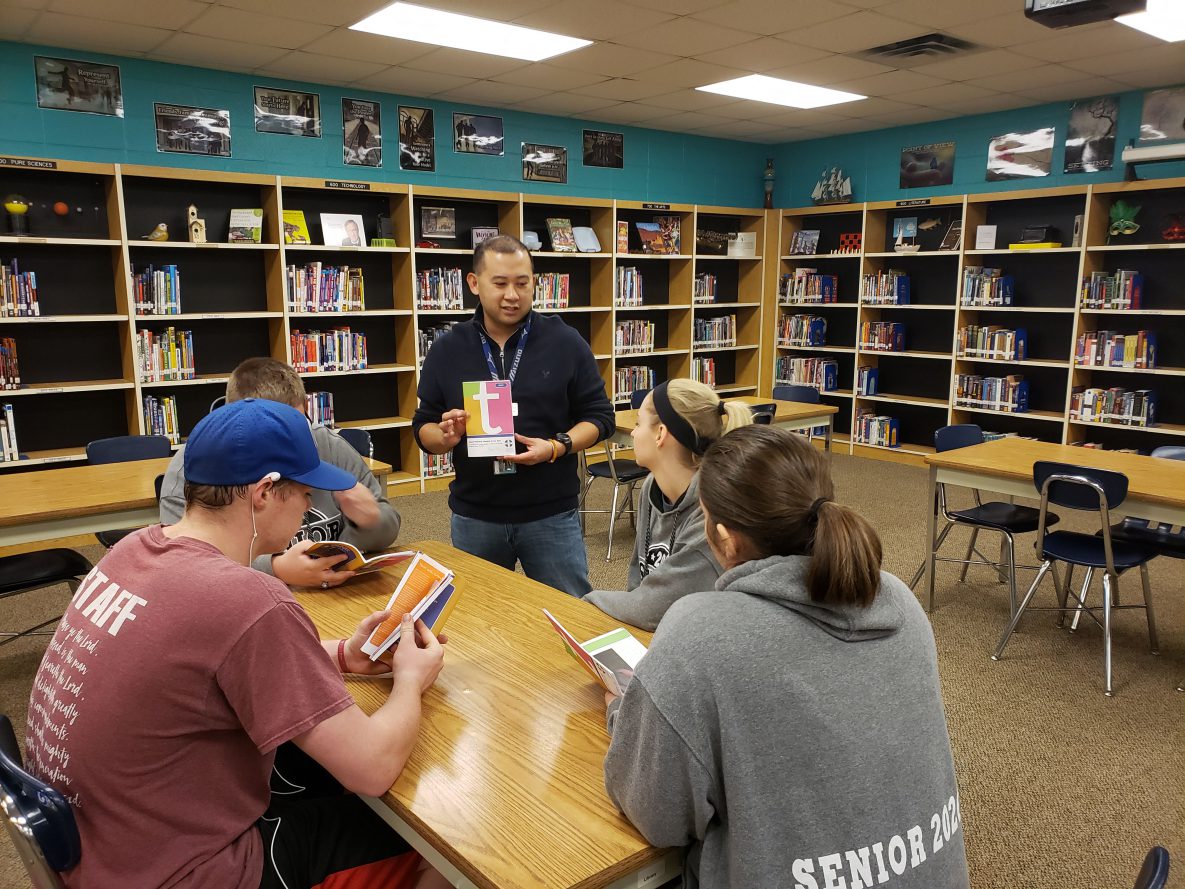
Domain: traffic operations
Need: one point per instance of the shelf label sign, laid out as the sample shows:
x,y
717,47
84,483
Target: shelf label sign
x,y
656,206
27,163
915,202
352,186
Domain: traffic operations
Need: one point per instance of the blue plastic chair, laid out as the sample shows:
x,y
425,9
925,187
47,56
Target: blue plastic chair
x,y
359,440
1160,537
792,392
1007,519
37,818
637,397
1155,872
125,448
1088,490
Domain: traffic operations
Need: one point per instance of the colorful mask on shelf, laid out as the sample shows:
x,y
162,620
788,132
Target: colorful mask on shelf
x,y
1123,219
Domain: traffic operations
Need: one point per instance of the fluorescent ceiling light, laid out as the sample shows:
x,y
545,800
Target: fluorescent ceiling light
x,y
760,88
1164,19
423,25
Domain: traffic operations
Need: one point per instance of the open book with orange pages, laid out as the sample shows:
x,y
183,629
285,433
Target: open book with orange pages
x,y
356,560
425,592
611,657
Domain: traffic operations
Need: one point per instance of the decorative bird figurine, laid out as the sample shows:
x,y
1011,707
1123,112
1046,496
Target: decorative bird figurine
x,y
160,233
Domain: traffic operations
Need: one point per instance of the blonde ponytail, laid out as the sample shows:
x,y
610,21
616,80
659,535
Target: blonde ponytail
x,y
736,415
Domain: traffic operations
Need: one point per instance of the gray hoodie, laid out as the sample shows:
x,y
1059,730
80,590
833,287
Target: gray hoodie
x,y
789,743
324,519
676,562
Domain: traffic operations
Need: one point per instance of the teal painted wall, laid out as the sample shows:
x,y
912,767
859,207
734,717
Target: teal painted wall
x,y
872,160
660,166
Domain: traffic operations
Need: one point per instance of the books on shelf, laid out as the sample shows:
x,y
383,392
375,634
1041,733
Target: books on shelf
x,y
296,230
1122,290
328,350
562,238
629,287
630,378
1116,405
318,407
246,226
9,449
165,357
18,292
436,465
552,290
703,370
807,286
888,288
1107,348
822,373
805,242
354,559
428,334
633,337
319,288
704,289
987,287
882,336
157,291
868,380
991,341
876,429
440,289
1009,395
423,583
10,365
611,658
715,333
802,330
160,417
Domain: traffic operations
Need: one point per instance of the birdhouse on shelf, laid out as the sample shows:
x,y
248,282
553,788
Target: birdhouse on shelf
x,y
197,227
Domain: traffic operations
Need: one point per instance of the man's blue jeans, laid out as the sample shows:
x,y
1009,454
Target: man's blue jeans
x,y
551,550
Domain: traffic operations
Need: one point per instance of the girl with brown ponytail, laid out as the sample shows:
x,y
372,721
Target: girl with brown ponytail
x,y
677,423
788,727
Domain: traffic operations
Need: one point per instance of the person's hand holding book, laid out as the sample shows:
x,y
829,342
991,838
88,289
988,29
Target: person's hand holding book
x,y
452,427
418,655
296,568
539,450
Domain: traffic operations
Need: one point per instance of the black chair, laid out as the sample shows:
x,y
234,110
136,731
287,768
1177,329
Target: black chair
x,y
803,395
1155,872
125,449
763,413
26,572
623,473
637,397
37,818
1005,518
1089,490
359,440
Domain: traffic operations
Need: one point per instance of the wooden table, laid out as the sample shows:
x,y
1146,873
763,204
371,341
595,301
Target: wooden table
x,y
505,788
50,503
1156,487
791,414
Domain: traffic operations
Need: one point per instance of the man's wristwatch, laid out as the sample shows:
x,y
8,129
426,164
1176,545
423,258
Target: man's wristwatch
x,y
566,440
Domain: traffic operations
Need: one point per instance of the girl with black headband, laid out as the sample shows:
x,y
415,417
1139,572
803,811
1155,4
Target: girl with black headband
x,y
788,728
676,423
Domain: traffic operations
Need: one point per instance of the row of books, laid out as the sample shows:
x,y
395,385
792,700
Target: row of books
x,y
157,291
318,288
703,291
429,334
882,336
1106,348
715,333
552,290
633,336
987,287
160,417
703,370
1008,394
10,366
1115,405
436,465
890,288
629,286
868,380
328,350
9,449
822,373
876,429
1122,290
440,289
808,286
318,407
166,356
991,341
18,292
802,330
630,378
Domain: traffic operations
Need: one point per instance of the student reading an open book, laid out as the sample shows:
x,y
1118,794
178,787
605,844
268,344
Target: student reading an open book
x,y
788,727
185,670
361,516
676,423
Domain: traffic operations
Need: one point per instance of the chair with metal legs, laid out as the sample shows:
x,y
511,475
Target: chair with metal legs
x,y
802,395
1155,872
624,474
1089,490
26,572
1007,519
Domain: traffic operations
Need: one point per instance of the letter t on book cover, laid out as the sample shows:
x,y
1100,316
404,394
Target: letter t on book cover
x,y
490,430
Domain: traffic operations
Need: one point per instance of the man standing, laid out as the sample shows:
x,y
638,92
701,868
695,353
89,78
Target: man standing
x,y
521,508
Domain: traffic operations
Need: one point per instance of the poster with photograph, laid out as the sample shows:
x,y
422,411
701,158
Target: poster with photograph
x,y
477,134
604,149
926,165
189,130
70,85
342,230
1164,115
1090,139
417,139
287,112
1020,155
545,163
438,222
362,133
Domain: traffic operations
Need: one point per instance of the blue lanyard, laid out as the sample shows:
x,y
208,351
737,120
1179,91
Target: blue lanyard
x,y
518,354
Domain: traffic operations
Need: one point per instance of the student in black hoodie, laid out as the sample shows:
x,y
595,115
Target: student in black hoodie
x,y
521,508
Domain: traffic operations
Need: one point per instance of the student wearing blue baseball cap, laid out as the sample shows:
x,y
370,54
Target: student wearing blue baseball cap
x,y
186,669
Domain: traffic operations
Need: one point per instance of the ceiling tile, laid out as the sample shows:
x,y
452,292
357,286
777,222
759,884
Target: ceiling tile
x,y
464,63
860,30
1113,63
686,120
1090,86
1156,76
16,22
602,20
1002,30
508,10
878,106
693,100
566,104
623,89
938,16
685,37
486,92
742,110
1085,43
76,32
691,73
348,44
225,23
314,68
773,16
797,134
208,52
797,117
977,64
1018,81
888,83
611,60
920,115
934,96
843,127
628,113
739,129
339,12
169,14
541,74
676,7
999,102
403,82
829,70
761,55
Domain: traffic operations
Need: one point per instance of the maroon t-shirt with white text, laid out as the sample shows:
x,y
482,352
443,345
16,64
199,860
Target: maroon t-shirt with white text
x,y
172,678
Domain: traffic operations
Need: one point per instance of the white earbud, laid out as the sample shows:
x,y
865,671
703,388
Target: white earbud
x,y
273,477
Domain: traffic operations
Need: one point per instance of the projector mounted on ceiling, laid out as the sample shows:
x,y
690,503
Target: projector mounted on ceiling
x,y
1064,13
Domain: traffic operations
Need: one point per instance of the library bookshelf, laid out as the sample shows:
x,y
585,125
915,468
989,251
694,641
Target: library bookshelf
x,y
79,358
931,379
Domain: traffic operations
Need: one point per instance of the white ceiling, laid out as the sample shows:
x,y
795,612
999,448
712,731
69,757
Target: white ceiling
x,y
648,57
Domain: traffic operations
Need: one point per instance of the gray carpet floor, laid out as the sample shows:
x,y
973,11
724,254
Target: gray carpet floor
x,y
1060,786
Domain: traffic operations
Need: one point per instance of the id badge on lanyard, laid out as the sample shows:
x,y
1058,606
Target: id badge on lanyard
x,y
501,467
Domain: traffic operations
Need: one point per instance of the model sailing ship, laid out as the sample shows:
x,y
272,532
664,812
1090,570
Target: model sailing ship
x,y
833,187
